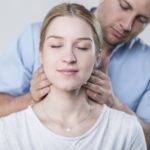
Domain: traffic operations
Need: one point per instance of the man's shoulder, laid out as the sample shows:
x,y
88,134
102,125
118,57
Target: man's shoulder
x,y
136,46
36,25
33,27
138,43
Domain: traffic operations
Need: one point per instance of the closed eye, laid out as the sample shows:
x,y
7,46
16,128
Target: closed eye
x,y
83,48
124,5
142,19
55,46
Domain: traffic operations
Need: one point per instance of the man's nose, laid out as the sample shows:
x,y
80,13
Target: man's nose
x,y
128,22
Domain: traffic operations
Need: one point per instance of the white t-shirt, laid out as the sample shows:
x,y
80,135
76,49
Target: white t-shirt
x,y
114,130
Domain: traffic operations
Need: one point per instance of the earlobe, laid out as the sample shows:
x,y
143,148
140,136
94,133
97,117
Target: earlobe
x,y
98,59
99,55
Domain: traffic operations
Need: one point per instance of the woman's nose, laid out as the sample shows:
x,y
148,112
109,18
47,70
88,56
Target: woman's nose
x,y
69,56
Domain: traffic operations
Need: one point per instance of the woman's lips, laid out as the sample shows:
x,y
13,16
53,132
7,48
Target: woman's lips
x,y
67,72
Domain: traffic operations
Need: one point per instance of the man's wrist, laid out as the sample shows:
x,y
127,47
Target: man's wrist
x,y
29,99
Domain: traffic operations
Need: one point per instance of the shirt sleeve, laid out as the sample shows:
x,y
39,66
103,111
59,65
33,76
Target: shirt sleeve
x,y
2,143
18,63
138,139
143,109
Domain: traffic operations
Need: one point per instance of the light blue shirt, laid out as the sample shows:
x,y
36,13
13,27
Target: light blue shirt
x,y
129,70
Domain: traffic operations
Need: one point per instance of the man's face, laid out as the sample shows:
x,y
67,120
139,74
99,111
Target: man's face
x,y
121,20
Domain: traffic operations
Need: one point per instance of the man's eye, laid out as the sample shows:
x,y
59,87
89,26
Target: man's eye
x,y
143,20
82,48
124,6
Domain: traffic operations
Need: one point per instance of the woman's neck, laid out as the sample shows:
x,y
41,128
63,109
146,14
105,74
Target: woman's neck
x,y
64,104
67,113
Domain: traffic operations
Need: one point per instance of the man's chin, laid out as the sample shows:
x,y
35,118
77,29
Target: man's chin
x,y
113,42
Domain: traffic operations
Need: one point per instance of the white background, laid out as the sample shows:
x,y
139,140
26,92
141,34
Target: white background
x,y
15,15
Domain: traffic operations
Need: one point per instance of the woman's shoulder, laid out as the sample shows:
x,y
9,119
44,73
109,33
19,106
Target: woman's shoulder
x,y
123,121
120,116
14,120
118,119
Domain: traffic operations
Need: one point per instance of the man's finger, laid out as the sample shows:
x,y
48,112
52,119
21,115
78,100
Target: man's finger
x,y
96,80
99,74
95,88
43,84
94,96
43,77
43,92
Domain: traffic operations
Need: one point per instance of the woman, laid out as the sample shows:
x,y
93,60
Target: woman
x,y
66,119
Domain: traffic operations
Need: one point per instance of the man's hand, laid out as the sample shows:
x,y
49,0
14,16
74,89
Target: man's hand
x,y
99,88
39,86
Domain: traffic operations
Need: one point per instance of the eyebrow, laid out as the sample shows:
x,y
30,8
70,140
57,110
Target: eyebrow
x,y
54,36
85,38
59,37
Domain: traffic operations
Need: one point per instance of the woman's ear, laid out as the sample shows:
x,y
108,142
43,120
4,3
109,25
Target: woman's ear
x,y
99,54
98,59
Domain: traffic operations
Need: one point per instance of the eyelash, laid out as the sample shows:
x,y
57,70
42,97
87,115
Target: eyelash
x,y
59,46
55,46
141,20
124,7
82,48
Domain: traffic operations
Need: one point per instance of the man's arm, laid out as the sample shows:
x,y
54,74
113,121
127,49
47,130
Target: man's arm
x,y
17,66
10,104
40,86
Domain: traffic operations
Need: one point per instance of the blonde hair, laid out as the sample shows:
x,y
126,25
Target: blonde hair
x,y
72,9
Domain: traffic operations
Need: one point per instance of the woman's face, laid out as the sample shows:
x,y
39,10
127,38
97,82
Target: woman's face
x,y
68,54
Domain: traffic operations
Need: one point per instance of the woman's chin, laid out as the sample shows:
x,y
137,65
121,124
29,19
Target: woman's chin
x,y
69,87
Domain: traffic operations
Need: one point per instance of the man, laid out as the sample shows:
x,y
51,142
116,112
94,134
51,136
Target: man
x,y
125,61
